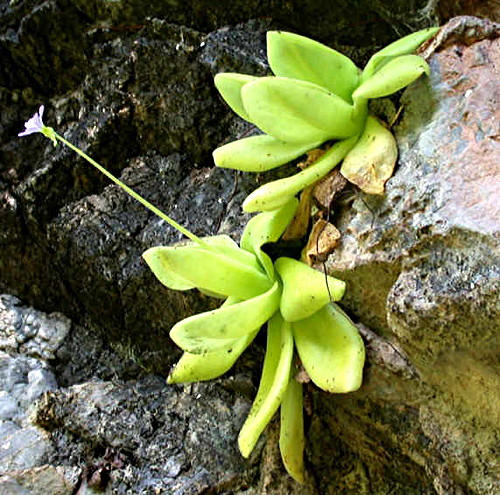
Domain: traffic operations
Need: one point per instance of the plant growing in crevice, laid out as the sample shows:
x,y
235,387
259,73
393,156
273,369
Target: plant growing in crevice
x,y
317,95
289,296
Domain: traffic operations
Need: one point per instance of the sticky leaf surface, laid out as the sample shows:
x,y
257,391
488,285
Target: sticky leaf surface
x,y
331,350
298,111
298,57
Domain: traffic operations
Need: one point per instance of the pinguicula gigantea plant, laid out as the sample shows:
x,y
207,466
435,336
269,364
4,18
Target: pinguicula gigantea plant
x,y
317,95
292,298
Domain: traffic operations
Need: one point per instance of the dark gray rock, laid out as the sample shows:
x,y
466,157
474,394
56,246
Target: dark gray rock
x,y
157,439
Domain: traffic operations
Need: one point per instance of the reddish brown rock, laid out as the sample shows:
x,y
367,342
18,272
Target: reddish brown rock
x,y
423,271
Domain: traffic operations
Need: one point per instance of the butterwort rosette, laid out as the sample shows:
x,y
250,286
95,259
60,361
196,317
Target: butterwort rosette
x,y
316,95
295,302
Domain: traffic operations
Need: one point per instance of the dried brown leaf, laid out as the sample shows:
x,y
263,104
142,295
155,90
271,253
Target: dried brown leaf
x,y
312,156
371,162
326,189
322,241
300,222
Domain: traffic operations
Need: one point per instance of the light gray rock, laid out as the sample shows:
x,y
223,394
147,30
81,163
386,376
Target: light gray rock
x,y
46,480
30,332
8,406
29,338
25,448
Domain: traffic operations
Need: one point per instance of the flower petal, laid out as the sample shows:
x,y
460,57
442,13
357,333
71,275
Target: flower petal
x,y
34,124
273,383
259,153
305,290
298,111
298,57
209,331
331,350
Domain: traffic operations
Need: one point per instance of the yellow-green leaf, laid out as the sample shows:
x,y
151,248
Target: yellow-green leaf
x,y
273,383
229,85
199,367
298,111
403,46
298,57
267,227
275,194
224,270
393,76
331,350
305,290
292,440
259,153
209,331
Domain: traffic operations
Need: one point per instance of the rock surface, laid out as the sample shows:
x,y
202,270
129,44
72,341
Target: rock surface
x,y
28,339
423,269
82,407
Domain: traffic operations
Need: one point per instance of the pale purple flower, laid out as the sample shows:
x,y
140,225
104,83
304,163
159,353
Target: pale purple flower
x,y
35,124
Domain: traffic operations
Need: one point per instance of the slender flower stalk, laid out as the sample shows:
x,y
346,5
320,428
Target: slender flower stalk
x,y
35,124
256,290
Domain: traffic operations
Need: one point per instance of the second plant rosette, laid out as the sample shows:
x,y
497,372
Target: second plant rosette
x,y
294,300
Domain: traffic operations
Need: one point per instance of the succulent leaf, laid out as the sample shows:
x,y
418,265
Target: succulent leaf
x,y
298,111
209,331
198,367
305,290
275,194
225,245
393,76
259,153
229,85
175,281
267,227
371,161
273,383
331,349
403,46
226,271
298,57
292,440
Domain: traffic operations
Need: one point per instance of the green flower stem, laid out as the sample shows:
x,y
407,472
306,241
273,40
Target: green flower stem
x,y
132,193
